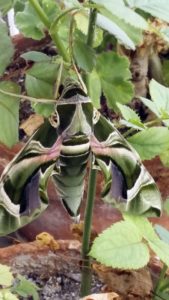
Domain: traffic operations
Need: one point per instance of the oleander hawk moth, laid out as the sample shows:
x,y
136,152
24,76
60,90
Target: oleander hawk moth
x,y
60,148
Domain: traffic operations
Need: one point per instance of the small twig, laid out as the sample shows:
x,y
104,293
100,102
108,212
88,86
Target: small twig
x,y
32,99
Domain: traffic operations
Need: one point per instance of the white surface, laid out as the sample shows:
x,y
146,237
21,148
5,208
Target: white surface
x,y
12,27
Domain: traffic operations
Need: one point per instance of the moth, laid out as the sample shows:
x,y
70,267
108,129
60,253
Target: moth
x,y
61,148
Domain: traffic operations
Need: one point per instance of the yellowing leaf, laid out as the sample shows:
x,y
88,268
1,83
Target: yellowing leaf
x,y
7,295
6,276
81,22
115,246
46,239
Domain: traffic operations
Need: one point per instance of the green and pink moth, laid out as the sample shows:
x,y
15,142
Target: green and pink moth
x,y
60,148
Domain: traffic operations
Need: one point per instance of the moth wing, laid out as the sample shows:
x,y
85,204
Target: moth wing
x,y
128,185
23,183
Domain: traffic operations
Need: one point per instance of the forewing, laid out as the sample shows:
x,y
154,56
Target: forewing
x,y
128,185
23,183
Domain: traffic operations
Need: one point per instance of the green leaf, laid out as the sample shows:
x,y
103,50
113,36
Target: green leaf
x,y
143,225
94,88
6,47
29,23
130,116
26,288
115,78
164,157
163,233
121,246
5,6
157,8
45,71
146,230
150,142
84,55
6,277
7,295
121,11
160,104
40,89
109,25
39,83
35,56
161,249
160,96
165,68
82,22
9,114
71,3
151,105
166,206
134,34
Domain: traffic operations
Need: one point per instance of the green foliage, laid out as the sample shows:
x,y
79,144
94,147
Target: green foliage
x,y
121,246
39,83
26,288
109,25
150,142
6,47
124,244
7,295
166,206
160,101
6,277
9,114
5,5
14,287
94,88
84,55
133,33
115,81
121,11
131,117
165,68
157,8
163,233
36,56
29,24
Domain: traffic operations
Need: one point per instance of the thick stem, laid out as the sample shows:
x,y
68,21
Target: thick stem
x,y
40,12
91,27
86,263
90,38
55,37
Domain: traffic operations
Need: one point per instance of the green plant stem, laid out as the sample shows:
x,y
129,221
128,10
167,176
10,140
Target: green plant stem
x,y
40,12
160,280
86,262
55,37
90,38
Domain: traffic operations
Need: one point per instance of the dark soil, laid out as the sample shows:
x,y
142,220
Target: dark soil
x,y
63,286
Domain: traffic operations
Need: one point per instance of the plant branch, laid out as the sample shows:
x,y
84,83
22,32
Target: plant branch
x,y
54,35
86,262
90,38
40,12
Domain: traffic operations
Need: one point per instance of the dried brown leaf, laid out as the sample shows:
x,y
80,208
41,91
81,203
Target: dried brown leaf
x,y
105,296
31,124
